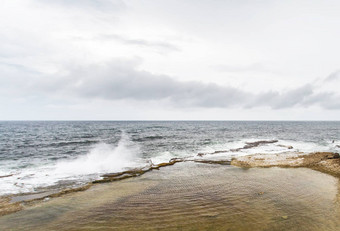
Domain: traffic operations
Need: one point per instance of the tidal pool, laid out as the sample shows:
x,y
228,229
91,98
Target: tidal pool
x,y
192,196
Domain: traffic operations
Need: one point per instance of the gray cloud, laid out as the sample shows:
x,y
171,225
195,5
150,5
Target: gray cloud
x,y
117,81
121,81
139,42
19,67
335,75
287,99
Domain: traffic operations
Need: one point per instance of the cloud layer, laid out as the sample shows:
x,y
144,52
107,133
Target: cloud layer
x,y
121,80
169,56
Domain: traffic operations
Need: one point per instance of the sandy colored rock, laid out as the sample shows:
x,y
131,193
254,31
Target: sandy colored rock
x,y
6,207
327,162
270,160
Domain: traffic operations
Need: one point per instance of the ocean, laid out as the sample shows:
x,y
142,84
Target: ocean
x,y
36,156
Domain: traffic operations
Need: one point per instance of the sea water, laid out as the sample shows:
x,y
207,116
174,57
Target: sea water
x,y
36,156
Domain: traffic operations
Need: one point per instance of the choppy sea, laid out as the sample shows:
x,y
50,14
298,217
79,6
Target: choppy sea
x,y
40,155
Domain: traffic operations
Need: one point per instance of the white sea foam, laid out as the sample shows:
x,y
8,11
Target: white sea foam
x,y
236,148
102,158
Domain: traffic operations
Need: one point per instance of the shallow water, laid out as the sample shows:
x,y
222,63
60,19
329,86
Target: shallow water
x,y
191,196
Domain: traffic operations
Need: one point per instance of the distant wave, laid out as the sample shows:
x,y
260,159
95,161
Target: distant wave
x,y
67,143
146,138
58,144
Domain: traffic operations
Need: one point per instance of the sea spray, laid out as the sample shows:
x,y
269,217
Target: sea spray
x,y
103,158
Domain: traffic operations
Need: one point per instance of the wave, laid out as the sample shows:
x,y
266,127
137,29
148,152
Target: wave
x,y
58,144
147,138
67,143
102,158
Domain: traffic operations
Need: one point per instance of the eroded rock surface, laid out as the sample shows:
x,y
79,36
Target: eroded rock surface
x,y
6,207
327,162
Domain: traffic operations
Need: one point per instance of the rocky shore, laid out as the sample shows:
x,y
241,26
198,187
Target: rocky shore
x,y
326,162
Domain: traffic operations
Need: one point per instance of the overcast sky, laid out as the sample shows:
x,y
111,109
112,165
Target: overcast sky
x,y
169,60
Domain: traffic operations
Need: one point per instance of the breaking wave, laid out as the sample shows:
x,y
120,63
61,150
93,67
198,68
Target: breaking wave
x,y
102,158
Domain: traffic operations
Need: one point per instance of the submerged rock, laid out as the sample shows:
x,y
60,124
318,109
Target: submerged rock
x,y
285,146
254,144
257,143
6,207
6,176
222,162
220,151
135,172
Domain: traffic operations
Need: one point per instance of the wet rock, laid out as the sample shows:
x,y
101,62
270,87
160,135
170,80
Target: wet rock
x,y
222,162
71,190
122,175
285,146
333,156
220,151
215,152
254,144
135,172
258,143
171,162
247,146
6,207
236,149
175,160
6,175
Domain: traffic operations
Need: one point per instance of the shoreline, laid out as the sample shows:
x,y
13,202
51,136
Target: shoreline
x,y
325,162
194,196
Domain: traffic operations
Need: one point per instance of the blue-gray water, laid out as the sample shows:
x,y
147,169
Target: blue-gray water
x,y
36,155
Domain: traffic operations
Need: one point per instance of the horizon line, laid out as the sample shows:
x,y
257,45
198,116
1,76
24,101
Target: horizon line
x,y
85,120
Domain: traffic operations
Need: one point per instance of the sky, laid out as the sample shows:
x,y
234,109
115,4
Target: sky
x,y
169,60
